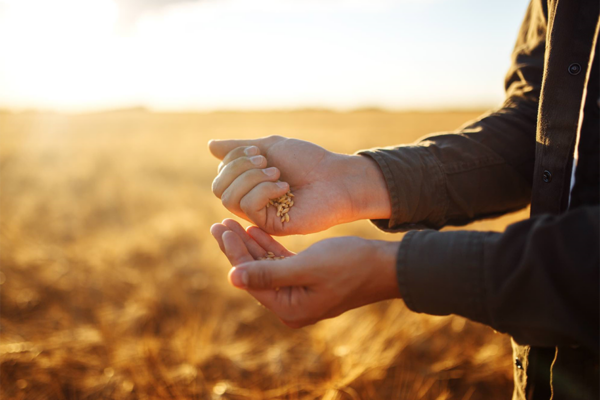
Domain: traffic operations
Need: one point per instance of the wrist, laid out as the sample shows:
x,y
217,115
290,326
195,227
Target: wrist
x,y
367,188
387,255
382,257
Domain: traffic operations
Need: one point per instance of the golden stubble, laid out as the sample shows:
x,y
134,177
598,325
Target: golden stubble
x,y
112,287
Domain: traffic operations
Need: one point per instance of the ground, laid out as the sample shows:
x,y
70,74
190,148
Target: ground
x,y
111,286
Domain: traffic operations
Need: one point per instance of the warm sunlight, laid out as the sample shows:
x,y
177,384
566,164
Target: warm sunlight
x,y
73,55
61,55
299,199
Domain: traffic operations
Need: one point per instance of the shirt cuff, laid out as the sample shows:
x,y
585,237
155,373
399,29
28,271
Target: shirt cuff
x,y
416,185
442,273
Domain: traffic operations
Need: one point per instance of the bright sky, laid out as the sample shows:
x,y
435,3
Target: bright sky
x,y
80,55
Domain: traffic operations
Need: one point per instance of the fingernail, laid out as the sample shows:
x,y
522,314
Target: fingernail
x,y
251,151
282,185
256,160
239,278
270,171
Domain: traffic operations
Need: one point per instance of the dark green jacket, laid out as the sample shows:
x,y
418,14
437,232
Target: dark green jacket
x,y
539,280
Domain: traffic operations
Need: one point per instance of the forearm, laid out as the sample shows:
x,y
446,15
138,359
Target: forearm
x,y
482,170
538,281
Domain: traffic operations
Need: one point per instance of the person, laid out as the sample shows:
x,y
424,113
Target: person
x,y
538,281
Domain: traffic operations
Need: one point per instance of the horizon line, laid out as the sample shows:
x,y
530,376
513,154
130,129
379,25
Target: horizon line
x,y
145,109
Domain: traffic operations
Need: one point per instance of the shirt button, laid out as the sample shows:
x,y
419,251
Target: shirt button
x,y
574,69
518,363
547,177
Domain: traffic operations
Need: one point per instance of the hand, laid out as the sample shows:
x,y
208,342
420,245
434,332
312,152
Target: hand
x,y
325,280
328,188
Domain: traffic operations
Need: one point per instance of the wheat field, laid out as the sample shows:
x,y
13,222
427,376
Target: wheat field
x,y
111,286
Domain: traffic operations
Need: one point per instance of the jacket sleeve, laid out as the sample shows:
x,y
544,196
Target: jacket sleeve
x,y
537,281
483,169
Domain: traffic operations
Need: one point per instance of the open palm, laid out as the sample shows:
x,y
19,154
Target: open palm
x,y
323,281
241,248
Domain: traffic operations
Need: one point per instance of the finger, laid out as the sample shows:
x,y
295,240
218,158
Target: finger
x,y
244,183
265,241
265,297
233,170
242,151
254,248
235,249
258,197
268,274
217,231
220,148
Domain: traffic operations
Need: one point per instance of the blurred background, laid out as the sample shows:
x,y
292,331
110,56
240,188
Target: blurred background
x,y
110,283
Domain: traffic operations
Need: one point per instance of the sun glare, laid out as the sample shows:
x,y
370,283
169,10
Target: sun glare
x,y
81,55
57,53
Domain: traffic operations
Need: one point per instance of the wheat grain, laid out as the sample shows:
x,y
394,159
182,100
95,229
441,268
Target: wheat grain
x,y
272,257
283,204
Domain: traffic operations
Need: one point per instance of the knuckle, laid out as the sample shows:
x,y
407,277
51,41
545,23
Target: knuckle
x,y
273,138
262,278
232,170
244,164
215,187
227,200
235,153
236,164
253,175
246,204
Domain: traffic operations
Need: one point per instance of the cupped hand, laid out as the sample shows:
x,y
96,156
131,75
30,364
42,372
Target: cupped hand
x,y
325,280
328,188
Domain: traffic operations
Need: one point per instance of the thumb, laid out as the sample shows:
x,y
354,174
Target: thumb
x,y
220,148
267,274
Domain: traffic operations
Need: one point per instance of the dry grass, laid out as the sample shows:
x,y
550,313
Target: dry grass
x,y
111,286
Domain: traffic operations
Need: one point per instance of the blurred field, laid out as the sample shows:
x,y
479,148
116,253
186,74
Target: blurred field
x,y
111,286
